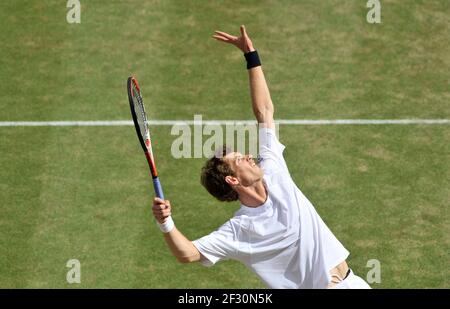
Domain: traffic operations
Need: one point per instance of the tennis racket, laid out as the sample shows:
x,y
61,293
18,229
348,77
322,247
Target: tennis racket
x,y
141,124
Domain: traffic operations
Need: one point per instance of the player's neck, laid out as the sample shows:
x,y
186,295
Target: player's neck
x,y
254,195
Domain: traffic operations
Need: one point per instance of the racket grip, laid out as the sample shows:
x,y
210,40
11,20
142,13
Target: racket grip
x,y
158,188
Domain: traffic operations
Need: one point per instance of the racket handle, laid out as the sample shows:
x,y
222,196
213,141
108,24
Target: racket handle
x,y
158,188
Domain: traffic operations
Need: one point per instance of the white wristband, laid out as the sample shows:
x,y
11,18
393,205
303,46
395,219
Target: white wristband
x,y
167,226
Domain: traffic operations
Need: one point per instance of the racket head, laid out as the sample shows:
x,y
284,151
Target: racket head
x,y
141,122
138,112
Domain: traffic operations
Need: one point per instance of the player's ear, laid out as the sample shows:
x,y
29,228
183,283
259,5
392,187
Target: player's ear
x,y
232,181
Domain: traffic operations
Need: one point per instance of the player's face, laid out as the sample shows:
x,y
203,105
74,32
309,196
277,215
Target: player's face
x,y
245,168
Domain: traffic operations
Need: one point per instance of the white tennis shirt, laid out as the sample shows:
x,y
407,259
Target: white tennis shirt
x,y
284,241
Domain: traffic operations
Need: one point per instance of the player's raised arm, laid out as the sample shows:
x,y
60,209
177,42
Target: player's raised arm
x,y
261,101
181,247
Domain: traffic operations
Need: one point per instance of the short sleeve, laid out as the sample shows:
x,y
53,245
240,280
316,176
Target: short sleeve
x,y
219,245
271,151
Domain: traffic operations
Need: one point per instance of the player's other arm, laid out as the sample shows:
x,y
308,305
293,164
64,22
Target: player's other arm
x,y
181,247
261,100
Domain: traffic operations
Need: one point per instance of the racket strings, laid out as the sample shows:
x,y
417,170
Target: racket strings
x,y
140,113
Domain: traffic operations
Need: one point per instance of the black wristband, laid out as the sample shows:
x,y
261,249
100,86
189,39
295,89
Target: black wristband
x,y
252,59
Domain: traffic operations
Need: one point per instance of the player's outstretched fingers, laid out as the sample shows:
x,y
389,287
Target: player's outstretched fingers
x,y
225,35
248,45
220,38
243,31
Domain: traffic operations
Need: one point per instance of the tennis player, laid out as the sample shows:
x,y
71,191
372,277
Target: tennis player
x,y
276,233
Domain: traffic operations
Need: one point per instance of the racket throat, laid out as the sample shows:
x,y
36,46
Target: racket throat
x,y
151,164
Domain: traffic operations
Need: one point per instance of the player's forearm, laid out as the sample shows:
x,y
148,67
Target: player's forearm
x,y
261,100
181,247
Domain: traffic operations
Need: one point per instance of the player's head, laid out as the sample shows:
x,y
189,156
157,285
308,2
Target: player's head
x,y
226,171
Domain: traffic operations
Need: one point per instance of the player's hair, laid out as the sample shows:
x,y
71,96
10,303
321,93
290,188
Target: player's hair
x,y
213,177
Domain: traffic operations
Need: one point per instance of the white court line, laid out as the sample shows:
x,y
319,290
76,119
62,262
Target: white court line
x,y
223,122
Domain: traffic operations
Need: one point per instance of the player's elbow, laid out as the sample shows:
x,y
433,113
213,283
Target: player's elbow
x,y
186,259
183,260
269,109
265,114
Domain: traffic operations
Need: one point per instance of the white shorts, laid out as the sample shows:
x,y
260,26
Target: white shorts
x,y
352,282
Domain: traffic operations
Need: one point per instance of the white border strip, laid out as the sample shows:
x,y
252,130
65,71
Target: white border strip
x,y
221,122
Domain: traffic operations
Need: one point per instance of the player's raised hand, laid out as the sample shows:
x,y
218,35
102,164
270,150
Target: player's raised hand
x,y
161,209
243,42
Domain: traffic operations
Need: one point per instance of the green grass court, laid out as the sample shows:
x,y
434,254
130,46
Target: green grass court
x,y
84,192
